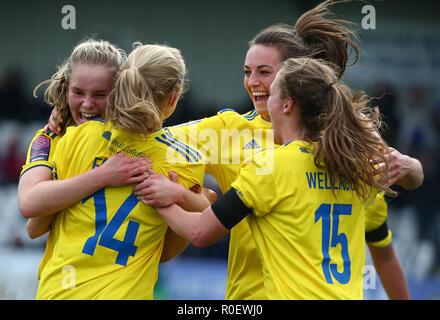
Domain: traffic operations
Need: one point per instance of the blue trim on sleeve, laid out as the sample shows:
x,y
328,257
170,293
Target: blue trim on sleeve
x,y
38,165
226,109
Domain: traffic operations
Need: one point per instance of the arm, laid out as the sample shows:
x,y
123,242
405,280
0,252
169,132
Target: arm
x,y
36,227
403,170
211,195
205,228
408,171
390,272
38,195
157,190
173,246
200,228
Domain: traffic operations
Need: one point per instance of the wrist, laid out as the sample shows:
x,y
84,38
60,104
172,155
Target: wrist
x,y
98,177
180,194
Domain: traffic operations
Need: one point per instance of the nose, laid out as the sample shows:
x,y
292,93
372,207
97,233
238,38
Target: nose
x,y
253,79
88,101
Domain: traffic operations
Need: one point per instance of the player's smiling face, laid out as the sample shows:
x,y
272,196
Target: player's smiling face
x,y
88,89
260,68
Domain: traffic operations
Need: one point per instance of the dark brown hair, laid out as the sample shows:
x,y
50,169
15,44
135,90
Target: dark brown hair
x,y
316,35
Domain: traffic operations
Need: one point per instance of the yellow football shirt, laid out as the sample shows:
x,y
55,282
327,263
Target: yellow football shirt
x,y
41,150
311,243
40,153
108,245
375,218
227,141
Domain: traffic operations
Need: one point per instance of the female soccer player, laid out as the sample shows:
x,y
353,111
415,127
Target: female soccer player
x,y
79,92
313,35
111,241
306,213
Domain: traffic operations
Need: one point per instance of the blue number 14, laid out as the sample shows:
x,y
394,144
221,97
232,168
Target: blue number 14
x,y
329,269
104,232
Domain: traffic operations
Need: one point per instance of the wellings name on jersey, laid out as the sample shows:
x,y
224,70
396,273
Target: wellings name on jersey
x,y
320,180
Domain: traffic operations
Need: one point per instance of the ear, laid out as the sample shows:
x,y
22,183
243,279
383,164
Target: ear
x,y
173,98
289,105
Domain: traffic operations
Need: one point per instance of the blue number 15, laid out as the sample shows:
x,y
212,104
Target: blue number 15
x,y
104,232
329,269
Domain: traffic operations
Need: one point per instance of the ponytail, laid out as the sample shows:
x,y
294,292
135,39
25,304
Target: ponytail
x,y
131,104
340,122
327,39
143,87
314,35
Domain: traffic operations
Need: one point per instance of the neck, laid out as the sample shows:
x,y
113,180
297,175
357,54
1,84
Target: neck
x,y
292,131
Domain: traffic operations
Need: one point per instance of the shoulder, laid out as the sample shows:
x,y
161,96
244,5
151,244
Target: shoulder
x,y
81,138
87,128
290,157
42,141
177,148
45,135
231,113
299,150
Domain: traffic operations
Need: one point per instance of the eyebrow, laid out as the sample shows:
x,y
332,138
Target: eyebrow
x,y
97,91
260,66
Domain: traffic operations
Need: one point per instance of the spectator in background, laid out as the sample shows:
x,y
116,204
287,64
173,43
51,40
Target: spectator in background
x,y
11,162
12,102
419,138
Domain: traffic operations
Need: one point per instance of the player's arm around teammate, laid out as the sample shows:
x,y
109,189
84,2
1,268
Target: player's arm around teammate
x,y
78,91
304,90
205,228
116,242
315,34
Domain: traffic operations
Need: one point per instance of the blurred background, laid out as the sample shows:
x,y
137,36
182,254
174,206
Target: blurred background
x,y
399,62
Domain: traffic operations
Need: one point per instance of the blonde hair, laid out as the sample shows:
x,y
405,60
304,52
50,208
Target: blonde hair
x,y
143,86
340,121
90,51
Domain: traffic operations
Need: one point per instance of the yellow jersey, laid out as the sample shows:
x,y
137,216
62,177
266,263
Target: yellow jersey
x,y
227,141
108,245
377,233
41,150
310,236
40,153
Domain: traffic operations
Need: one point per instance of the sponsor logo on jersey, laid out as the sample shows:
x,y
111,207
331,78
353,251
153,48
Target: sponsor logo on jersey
x,y
40,149
252,145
